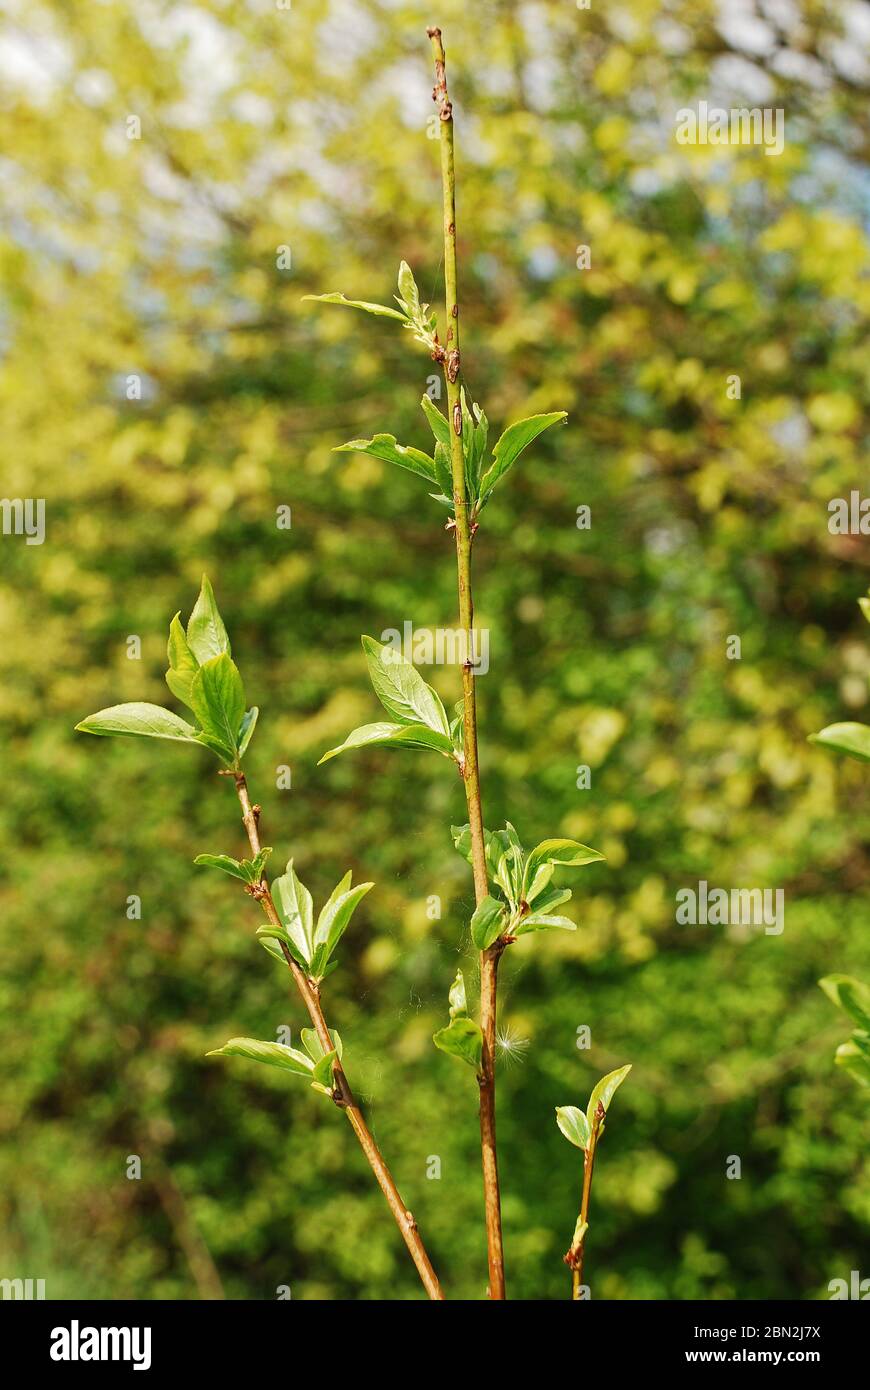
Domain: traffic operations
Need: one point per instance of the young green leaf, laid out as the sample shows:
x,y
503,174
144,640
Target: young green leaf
x,y
402,690
322,1074
394,736
535,887
488,923
183,665
314,1047
573,1124
461,1038
515,439
332,924
605,1090
139,720
557,851
864,605
273,1054
217,699
293,902
438,423
850,995
456,997
408,291
206,634
540,921
384,446
258,863
854,1059
246,729
550,899
850,738
270,937
381,310
226,863
443,473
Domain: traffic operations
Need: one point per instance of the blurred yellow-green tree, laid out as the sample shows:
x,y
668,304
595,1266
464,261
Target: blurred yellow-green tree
x,y
175,177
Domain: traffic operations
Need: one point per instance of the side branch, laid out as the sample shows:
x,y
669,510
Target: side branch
x,y
342,1094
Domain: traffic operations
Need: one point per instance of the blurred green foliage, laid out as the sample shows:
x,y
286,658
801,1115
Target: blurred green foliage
x,y
306,128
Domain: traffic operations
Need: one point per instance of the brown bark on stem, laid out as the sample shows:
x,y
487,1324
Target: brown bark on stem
x,y
470,767
343,1095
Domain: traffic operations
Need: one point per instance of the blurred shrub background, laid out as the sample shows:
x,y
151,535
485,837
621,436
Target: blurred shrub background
x,y
306,128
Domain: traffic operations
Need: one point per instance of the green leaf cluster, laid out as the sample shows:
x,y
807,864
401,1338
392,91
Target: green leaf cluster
x,y
411,313
524,899
481,476
310,945
462,1037
203,675
578,1126
853,997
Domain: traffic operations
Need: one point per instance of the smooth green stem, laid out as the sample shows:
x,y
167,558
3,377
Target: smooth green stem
x,y
470,766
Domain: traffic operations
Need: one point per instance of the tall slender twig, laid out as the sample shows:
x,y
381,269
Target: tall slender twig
x,y
471,772
342,1093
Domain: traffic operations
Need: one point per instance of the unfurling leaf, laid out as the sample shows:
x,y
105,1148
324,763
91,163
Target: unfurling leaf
x,y
850,738
408,291
463,1039
456,997
382,310
573,1124
384,446
488,923
604,1092
206,634
139,720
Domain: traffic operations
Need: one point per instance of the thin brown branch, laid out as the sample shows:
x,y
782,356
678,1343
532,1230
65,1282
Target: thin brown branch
x,y
470,766
342,1093
577,1253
